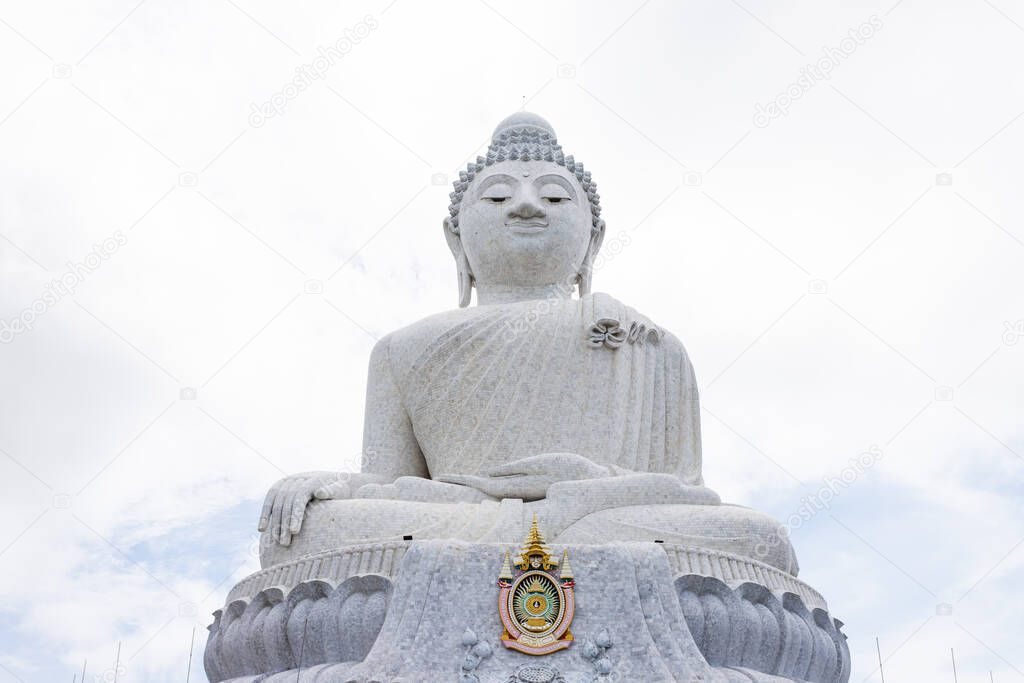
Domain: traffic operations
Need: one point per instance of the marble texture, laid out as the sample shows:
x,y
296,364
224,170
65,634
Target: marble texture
x,y
725,528
601,437
384,559
436,621
531,389
547,399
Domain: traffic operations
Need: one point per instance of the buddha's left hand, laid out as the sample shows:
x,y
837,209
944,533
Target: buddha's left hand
x,y
529,478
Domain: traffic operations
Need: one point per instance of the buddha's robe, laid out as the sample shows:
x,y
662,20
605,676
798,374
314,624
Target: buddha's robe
x,y
465,390
486,385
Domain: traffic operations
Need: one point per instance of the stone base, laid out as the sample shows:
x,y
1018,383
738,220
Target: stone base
x,y
428,611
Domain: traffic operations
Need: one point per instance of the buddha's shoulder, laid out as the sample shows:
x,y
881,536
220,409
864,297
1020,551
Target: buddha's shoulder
x,y
670,343
608,307
402,346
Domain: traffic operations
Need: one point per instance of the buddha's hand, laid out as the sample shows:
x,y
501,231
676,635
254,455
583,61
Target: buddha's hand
x,y
284,508
529,478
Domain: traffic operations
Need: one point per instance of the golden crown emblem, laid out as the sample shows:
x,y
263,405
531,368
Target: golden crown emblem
x,y
535,603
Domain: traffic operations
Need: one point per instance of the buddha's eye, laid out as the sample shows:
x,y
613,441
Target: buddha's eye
x,y
554,194
497,194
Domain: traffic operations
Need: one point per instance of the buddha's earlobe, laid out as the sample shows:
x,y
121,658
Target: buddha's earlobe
x,y
465,275
586,274
584,277
465,279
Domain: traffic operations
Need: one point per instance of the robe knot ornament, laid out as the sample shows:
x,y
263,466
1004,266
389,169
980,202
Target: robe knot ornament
x,y
609,333
606,332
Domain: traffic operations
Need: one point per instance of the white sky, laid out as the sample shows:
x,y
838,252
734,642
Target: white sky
x,y
832,295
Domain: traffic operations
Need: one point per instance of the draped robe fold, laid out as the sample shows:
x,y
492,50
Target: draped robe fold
x,y
491,384
465,390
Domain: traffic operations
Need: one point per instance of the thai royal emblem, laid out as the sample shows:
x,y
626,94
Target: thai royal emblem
x,y
536,604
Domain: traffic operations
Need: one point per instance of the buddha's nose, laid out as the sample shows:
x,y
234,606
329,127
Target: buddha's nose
x,y
526,206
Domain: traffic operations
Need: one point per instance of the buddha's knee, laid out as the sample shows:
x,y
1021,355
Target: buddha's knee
x,y
728,528
766,539
333,524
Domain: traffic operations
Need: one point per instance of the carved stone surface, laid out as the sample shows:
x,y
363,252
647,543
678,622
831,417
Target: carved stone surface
x,y
437,620
582,410
733,570
535,673
310,624
750,626
476,651
384,559
579,411
332,567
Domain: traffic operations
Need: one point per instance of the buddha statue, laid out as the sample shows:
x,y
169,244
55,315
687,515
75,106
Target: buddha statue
x,y
544,406
545,398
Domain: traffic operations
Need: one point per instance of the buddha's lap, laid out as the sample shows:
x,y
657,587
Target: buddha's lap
x,y
334,524
727,528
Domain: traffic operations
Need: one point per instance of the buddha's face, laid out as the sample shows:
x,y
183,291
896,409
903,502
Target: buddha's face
x,y
525,223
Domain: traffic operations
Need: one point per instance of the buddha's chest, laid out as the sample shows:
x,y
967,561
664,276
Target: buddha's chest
x,y
494,400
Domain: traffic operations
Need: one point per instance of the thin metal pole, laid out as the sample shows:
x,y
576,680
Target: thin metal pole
x,y
878,649
188,672
84,662
117,661
953,657
302,648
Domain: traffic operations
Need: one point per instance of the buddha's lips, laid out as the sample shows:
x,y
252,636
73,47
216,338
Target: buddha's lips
x,y
526,226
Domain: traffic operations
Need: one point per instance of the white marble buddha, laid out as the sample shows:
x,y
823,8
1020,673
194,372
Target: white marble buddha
x,y
579,410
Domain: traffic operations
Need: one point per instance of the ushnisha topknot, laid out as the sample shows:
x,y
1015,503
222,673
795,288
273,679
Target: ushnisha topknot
x,y
526,137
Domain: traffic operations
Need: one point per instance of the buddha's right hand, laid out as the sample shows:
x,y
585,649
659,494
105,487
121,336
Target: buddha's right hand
x,y
285,505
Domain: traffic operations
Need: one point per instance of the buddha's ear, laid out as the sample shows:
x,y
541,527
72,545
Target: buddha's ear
x,y
587,267
451,235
